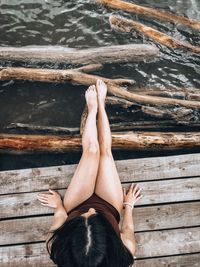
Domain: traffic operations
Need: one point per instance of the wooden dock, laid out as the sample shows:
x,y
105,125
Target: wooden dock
x,y
167,218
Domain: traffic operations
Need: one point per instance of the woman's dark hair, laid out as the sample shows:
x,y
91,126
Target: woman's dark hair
x,y
90,242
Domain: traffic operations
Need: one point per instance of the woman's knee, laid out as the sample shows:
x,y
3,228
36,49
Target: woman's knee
x,y
105,151
92,148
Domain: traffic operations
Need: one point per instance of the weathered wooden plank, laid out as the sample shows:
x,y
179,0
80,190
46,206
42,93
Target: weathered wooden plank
x,y
36,255
171,242
35,179
18,231
155,192
33,255
145,218
190,260
106,54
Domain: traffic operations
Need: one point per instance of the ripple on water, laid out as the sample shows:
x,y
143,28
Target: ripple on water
x,y
82,24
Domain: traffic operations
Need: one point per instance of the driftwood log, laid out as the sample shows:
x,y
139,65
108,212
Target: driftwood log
x,y
179,115
122,24
158,125
105,54
43,129
78,76
152,13
180,93
126,140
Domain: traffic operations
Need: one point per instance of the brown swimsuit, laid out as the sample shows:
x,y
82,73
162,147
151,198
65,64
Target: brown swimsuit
x,y
101,206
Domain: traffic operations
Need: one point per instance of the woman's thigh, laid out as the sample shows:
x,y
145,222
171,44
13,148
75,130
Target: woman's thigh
x,y
83,181
108,185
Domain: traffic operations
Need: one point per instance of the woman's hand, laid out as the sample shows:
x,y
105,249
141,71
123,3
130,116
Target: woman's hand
x,y
52,200
133,194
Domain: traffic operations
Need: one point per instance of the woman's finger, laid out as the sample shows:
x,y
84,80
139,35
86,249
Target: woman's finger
x,y
135,188
139,197
124,191
44,204
43,200
131,187
43,194
52,191
42,197
138,192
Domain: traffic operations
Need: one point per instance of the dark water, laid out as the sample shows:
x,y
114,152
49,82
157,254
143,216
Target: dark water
x,y
82,24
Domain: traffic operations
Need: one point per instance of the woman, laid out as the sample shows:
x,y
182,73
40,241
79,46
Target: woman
x,y
85,230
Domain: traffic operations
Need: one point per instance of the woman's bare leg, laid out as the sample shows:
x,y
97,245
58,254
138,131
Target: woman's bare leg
x,y
83,181
108,185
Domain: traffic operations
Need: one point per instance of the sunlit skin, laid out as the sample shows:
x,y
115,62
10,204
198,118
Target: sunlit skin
x,y
90,212
96,173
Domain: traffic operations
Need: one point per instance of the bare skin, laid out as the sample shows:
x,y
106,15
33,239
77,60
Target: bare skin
x,y
96,171
83,181
108,185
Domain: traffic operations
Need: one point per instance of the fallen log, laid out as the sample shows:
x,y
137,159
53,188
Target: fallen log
x,y
77,76
179,114
122,24
110,100
151,100
179,93
105,54
116,101
126,140
157,125
152,13
40,128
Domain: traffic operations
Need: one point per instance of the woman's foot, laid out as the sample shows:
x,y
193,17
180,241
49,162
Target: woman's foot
x,y
101,92
91,98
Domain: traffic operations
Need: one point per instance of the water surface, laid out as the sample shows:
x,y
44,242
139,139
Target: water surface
x,y
83,24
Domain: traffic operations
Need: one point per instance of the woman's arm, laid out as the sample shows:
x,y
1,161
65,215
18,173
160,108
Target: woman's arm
x,y
53,200
127,229
59,218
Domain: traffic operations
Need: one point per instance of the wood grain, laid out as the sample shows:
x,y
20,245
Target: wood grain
x,y
152,141
36,255
33,255
190,260
105,54
168,242
171,242
18,231
151,12
35,179
154,192
79,76
122,24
